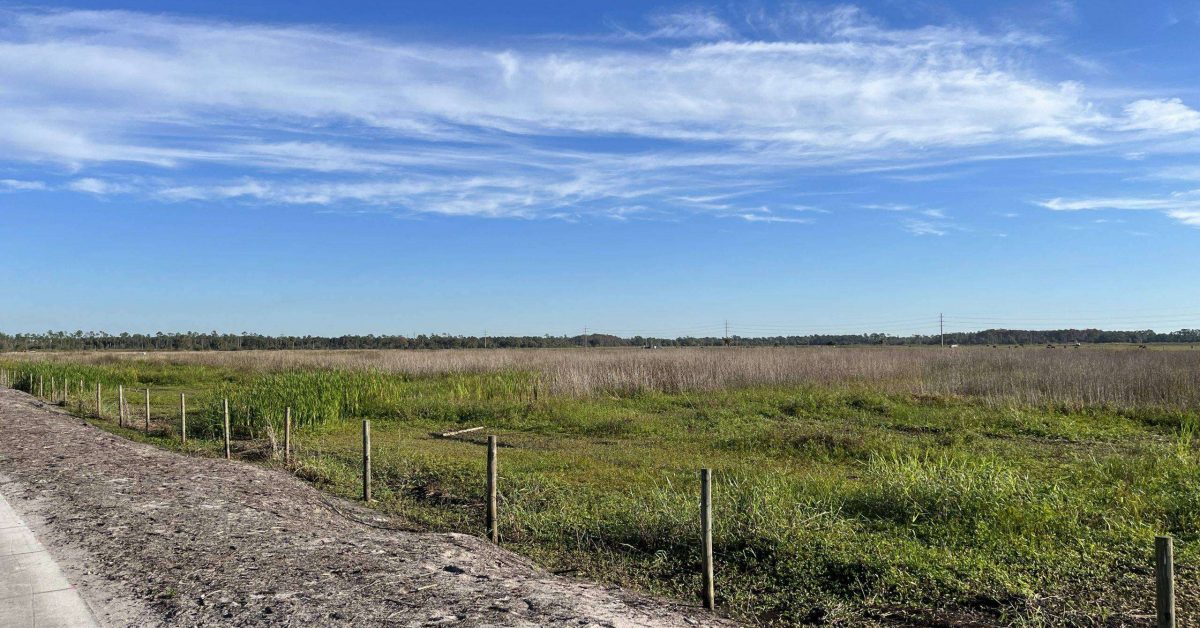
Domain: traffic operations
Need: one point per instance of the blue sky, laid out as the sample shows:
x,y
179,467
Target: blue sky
x,y
539,167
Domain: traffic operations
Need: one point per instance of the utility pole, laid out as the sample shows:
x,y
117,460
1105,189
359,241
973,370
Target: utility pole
x,y
942,329
727,332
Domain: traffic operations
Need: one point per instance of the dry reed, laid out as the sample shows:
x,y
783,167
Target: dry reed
x,y
1117,378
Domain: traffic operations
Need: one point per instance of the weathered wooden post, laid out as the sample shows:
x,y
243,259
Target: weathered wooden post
x,y
121,405
493,522
99,408
228,453
183,418
287,437
706,536
1164,576
366,461
147,411
41,389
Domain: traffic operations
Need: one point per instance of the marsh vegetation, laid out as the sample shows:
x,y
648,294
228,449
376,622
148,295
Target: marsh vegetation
x,y
853,485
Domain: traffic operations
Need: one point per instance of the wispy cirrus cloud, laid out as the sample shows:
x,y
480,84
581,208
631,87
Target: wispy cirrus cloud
x,y
921,227
1183,207
19,185
767,215
534,131
694,23
99,187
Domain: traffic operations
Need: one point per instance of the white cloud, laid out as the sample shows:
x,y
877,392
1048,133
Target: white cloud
x,y
492,196
749,217
931,222
16,185
926,177
1178,173
691,24
99,187
920,227
1128,203
1183,207
847,95
1161,116
464,129
765,214
889,207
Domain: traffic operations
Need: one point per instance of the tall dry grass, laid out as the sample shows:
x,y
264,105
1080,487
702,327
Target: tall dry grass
x,y
1093,376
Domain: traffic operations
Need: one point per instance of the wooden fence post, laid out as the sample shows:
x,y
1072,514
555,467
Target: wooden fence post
x,y
366,468
147,411
183,418
287,438
99,408
228,454
706,536
121,405
493,524
1164,576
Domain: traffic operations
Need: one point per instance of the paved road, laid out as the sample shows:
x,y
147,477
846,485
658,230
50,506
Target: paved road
x,y
33,590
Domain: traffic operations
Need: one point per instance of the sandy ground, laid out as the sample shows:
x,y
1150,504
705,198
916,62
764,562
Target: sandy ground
x,y
151,538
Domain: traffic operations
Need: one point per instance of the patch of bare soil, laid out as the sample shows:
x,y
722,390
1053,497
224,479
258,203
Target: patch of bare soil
x,y
156,538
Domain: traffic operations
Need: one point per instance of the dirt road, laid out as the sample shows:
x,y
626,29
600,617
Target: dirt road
x,y
150,537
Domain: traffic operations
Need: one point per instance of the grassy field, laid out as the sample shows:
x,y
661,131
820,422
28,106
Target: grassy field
x,y
852,485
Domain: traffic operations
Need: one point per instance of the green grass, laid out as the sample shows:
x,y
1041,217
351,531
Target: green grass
x,y
832,504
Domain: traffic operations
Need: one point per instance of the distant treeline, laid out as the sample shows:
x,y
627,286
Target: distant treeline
x,y
214,341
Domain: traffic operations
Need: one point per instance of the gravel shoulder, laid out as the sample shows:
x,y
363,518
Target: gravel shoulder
x,y
154,538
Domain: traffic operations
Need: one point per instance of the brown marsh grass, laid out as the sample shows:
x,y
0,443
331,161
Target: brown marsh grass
x,y
1070,377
